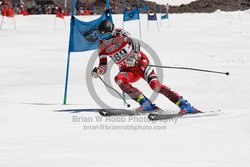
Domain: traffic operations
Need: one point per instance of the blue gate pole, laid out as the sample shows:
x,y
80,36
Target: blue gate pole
x,y
66,80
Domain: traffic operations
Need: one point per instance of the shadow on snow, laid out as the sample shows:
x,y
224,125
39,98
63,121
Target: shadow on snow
x,y
78,110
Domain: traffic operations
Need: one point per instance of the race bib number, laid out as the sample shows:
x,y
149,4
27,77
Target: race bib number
x,y
121,54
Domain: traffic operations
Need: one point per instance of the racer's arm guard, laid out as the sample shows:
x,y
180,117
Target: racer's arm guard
x,y
102,64
132,41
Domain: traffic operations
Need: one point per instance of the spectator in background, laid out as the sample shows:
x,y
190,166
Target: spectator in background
x,y
78,5
39,10
81,11
29,5
43,7
60,13
115,8
49,10
4,10
167,8
60,10
56,9
21,7
7,10
87,11
10,12
2,5
23,10
14,3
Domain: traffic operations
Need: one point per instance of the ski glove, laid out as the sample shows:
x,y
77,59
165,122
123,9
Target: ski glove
x,y
95,73
135,45
131,60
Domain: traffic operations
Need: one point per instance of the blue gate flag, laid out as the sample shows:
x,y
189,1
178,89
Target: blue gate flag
x,y
131,15
83,35
152,16
164,16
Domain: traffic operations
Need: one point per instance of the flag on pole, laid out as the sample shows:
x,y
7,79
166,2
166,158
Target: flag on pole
x,y
165,12
165,16
152,17
83,37
131,15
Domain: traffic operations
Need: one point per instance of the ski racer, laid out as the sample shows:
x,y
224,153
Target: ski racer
x,y
125,52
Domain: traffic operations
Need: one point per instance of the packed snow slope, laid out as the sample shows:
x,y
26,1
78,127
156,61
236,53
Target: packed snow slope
x,y
37,130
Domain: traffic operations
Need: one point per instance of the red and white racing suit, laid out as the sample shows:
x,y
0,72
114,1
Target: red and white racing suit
x,y
120,48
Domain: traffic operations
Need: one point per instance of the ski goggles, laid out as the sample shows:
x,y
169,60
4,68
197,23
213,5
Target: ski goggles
x,y
104,36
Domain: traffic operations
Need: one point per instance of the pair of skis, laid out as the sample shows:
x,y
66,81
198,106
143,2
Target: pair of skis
x,y
156,115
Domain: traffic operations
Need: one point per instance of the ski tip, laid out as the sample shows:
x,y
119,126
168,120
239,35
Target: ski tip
x,y
103,112
199,111
152,117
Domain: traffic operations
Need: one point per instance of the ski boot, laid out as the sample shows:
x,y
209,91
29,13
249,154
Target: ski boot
x,y
185,107
146,105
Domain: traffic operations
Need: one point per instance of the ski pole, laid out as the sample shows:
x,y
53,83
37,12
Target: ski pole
x,y
124,100
187,68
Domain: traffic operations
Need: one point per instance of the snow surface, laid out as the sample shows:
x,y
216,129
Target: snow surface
x,y
36,130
